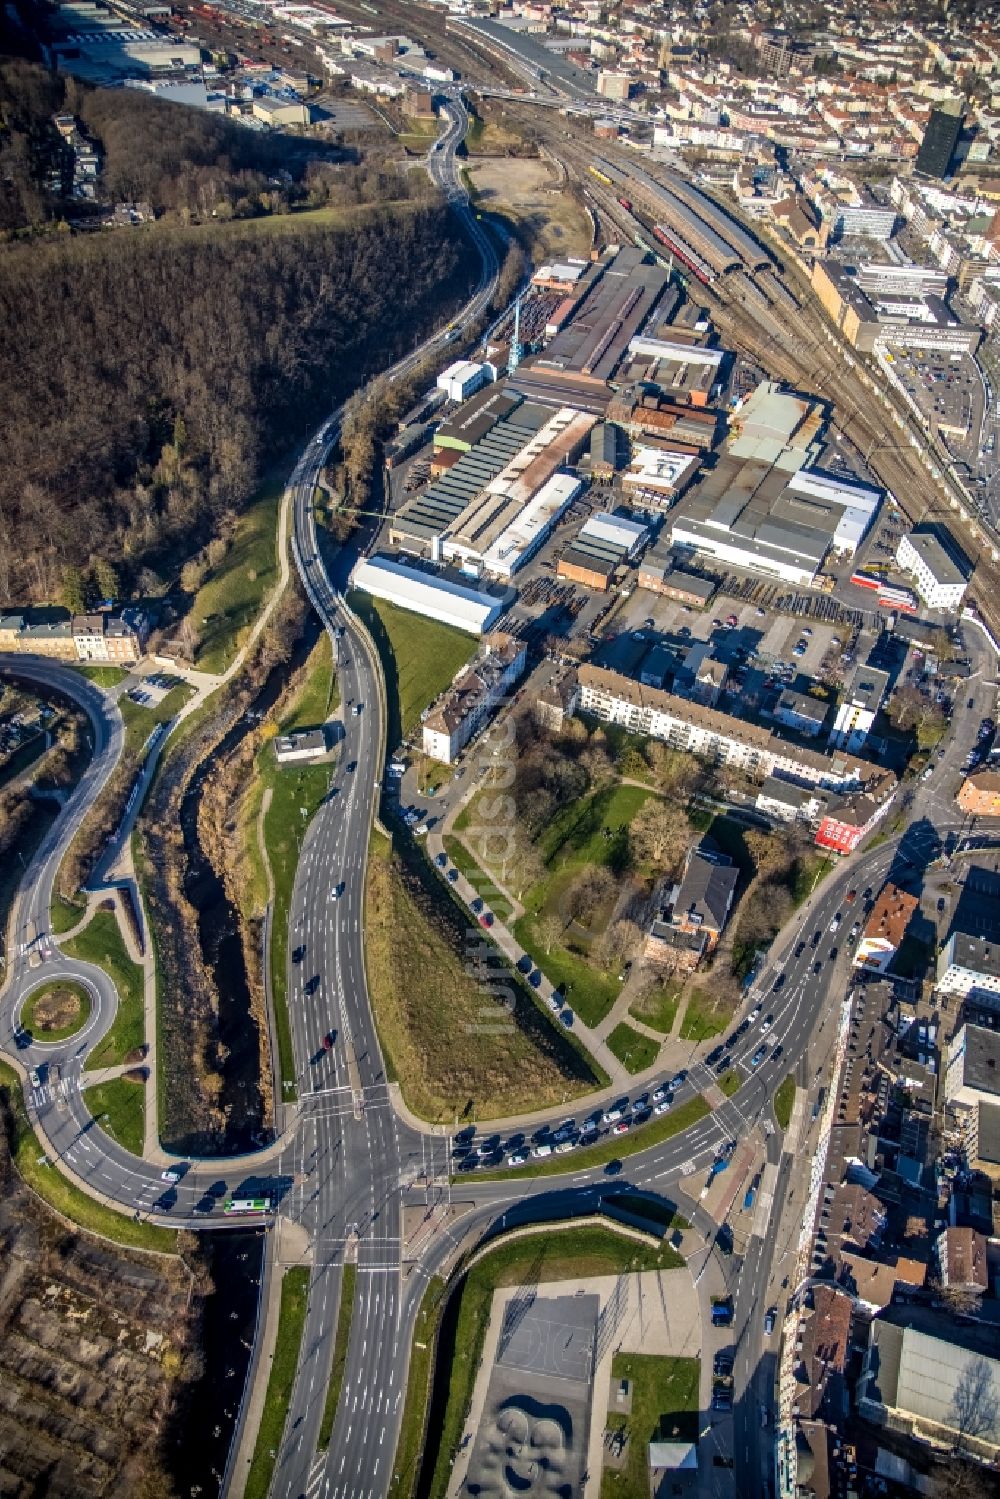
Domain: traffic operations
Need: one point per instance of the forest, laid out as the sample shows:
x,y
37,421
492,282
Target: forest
x,y
148,379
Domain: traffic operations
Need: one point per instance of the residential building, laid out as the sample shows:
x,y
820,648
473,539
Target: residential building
x,y
555,695
930,557
913,1369
874,1281
799,711
787,802
614,85
698,908
850,819
106,637
983,1140
474,696
961,1256
979,794
970,964
885,928
857,709
719,737
973,1073
937,149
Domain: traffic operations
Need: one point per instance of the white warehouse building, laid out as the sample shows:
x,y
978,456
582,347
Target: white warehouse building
x,y
434,595
463,378
941,580
629,535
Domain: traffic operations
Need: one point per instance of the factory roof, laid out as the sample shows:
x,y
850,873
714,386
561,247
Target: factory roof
x,y
601,561
615,307
659,468
618,530
521,531
981,1058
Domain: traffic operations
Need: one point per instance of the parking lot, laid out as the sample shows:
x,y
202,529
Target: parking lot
x,y
947,388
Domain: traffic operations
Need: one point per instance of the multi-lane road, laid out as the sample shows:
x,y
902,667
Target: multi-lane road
x,y
348,1164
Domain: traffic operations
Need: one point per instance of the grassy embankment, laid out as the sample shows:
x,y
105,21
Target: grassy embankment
x,y
62,1194
119,1107
661,1127
477,877
227,604
421,950
557,1255
419,659
65,914
291,1320
345,1313
664,1408
784,1100
101,943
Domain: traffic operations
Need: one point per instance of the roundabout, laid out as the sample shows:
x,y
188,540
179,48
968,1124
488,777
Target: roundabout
x,y
57,1010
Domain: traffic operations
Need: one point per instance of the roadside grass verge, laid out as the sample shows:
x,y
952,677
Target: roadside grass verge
x,y
704,1017
664,1408
409,1448
635,1051
657,1007
319,696
458,1028
291,1320
419,659
730,1082
65,914
348,1278
228,602
555,1255
659,1128
63,1195
784,1100
104,676
102,944
119,1106
29,1011
477,877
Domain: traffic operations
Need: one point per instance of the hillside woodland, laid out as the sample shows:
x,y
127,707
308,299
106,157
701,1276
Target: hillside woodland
x,y
148,378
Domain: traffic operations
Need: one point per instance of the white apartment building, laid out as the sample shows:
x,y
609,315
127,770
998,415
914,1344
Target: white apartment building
x,y
940,580
969,965
857,709
716,736
474,696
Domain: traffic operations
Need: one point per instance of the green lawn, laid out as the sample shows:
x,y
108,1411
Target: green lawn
x,y
419,658
291,1319
660,1128
104,676
730,1082
62,1194
344,1316
704,1017
665,1407
556,1255
101,942
590,832
808,871
64,914
409,1448
784,1100
477,877
635,1051
124,1104
228,602
30,1023
658,1007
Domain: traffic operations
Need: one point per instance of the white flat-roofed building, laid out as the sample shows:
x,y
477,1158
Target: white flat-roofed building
x,y
659,348
658,472
616,529
970,964
521,540
857,505
857,709
940,578
434,595
462,379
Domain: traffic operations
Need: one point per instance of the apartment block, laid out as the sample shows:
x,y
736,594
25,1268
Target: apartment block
x,y
473,696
